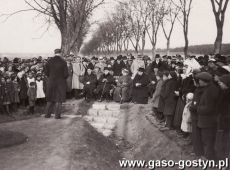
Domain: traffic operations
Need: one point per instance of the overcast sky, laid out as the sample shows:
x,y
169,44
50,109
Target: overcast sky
x,y
22,32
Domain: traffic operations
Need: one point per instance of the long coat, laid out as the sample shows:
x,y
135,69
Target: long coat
x,y
156,95
186,86
169,97
140,94
70,77
207,109
56,71
123,89
78,70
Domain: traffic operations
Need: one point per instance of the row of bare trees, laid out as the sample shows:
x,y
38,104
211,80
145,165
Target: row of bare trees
x,y
70,16
135,20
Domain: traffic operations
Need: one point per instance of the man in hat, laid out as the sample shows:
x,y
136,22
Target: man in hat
x,y
207,111
224,123
105,83
118,66
122,91
57,72
140,87
78,73
90,80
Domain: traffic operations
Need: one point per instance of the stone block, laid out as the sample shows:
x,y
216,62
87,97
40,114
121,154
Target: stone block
x,y
105,113
88,118
99,106
98,126
112,120
100,119
109,126
113,106
93,112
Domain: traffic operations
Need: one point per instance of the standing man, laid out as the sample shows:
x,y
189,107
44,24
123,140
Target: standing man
x,y
56,71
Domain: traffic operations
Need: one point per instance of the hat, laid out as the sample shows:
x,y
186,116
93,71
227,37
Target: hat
x,y
225,79
141,69
124,58
205,76
90,67
57,51
173,74
157,56
100,58
119,57
111,58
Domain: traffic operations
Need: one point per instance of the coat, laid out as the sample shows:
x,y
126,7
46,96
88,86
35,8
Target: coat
x,y
90,81
56,71
140,93
186,86
169,97
186,125
161,103
156,95
78,71
70,77
117,68
122,91
224,110
207,108
23,88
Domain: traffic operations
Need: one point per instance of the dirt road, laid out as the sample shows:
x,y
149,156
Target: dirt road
x,y
66,144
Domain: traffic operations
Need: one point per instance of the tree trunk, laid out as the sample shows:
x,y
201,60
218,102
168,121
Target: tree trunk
x,y
65,44
153,51
168,46
218,41
143,43
186,45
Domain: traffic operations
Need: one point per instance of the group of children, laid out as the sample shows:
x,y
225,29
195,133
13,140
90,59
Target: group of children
x,y
22,84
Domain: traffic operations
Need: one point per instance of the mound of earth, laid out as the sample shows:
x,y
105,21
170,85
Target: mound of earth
x,y
8,138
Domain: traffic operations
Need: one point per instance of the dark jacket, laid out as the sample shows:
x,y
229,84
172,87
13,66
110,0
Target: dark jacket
x,y
169,97
117,68
140,94
207,107
56,71
224,110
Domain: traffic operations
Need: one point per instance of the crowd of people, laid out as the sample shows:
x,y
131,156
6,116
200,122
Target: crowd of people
x,y
189,95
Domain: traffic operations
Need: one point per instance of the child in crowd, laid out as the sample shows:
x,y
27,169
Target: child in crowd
x,y
40,90
32,94
186,125
16,99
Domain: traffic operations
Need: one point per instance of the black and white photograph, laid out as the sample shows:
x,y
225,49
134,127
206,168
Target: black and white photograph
x,y
114,85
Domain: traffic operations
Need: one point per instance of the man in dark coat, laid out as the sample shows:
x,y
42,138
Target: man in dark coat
x,y
57,72
118,66
105,83
224,118
170,99
140,87
90,83
207,113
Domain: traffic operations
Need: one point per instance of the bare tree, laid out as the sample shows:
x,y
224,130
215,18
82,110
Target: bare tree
x,y
156,14
185,9
169,21
70,16
219,8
